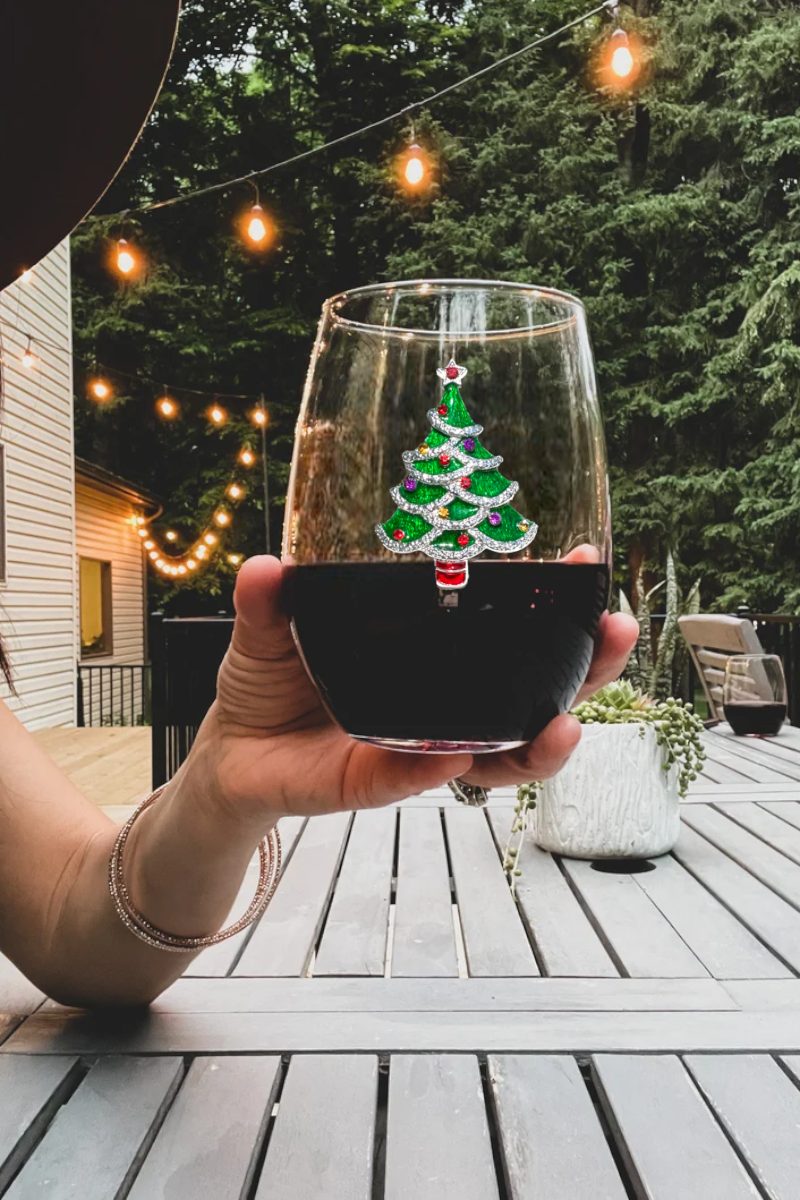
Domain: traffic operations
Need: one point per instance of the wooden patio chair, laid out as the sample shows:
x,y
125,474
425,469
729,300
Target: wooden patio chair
x,y
712,641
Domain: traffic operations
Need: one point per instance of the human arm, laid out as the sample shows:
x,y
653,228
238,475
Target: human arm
x,y
266,749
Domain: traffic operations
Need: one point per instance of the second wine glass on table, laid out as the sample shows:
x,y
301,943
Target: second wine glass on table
x,y
447,525
754,694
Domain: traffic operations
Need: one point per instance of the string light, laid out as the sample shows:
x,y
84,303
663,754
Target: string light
x,y
99,389
415,169
141,520
234,559
153,555
217,414
246,457
149,545
622,60
191,564
209,540
257,226
222,518
235,491
26,276
142,533
201,551
167,407
171,535
29,359
259,417
126,259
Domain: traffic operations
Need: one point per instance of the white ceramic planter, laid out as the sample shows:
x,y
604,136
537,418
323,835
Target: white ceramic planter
x,y
613,799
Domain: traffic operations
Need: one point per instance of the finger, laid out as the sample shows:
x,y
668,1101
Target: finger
x,y
616,637
582,554
261,629
538,760
376,777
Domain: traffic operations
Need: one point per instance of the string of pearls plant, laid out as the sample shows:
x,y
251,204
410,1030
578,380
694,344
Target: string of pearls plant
x,y
677,728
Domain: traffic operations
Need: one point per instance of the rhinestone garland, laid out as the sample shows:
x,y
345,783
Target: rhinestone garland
x,y
269,851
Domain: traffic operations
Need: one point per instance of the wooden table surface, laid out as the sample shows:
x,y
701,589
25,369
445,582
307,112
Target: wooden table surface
x,y
397,1027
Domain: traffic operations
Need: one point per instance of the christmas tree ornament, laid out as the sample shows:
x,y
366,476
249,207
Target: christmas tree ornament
x,y
462,503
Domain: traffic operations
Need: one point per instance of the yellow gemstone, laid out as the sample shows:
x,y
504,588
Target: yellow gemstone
x,y
524,526
424,449
444,513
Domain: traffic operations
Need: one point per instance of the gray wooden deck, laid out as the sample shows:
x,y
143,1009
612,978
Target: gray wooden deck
x,y
397,1027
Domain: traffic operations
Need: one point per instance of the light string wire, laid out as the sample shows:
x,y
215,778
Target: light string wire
x,y
607,6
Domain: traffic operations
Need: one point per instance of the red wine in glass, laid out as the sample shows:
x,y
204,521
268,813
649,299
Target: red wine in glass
x,y
447,528
754,694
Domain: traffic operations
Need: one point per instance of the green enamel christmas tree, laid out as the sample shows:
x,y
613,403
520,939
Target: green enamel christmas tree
x,y
454,503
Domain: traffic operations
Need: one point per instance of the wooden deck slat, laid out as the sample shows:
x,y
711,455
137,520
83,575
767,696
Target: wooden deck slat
x,y
424,940
437,1136
283,941
669,1141
322,1145
438,995
565,939
719,755
220,959
766,864
97,1142
759,1106
494,938
642,939
787,810
208,1144
769,917
553,1147
723,945
354,941
412,1033
31,1092
770,752
767,826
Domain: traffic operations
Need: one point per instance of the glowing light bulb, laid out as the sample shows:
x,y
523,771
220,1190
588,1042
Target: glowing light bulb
x,y
171,535
222,518
29,359
201,551
160,564
141,520
99,389
414,171
234,559
126,260
191,564
26,276
181,569
622,60
217,414
167,407
142,533
235,492
247,458
149,545
257,228
209,539
258,416
153,555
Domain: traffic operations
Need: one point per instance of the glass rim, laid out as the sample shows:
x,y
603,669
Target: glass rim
x,y
423,286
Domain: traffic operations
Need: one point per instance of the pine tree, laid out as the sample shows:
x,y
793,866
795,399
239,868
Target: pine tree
x,y
453,503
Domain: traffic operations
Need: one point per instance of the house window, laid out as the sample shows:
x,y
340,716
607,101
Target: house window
x,y
95,607
2,514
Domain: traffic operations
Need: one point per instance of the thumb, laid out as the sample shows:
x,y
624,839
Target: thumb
x,y
262,628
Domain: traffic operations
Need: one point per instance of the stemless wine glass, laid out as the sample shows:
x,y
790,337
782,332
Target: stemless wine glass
x,y
447,532
754,694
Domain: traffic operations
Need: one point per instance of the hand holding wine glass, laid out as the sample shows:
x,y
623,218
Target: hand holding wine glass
x,y
268,747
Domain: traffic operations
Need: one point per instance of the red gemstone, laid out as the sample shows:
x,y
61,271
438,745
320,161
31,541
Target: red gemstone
x,y
398,535
463,540
444,459
452,372
466,482
442,410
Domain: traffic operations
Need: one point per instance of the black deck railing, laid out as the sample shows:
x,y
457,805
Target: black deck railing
x,y
185,654
117,694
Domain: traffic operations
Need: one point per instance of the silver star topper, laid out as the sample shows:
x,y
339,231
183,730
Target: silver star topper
x,y
446,373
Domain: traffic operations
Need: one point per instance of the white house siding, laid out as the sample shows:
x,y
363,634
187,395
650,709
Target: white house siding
x,y
106,530
37,599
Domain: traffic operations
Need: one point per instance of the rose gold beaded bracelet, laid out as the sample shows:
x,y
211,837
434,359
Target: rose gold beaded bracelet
x,y
269,851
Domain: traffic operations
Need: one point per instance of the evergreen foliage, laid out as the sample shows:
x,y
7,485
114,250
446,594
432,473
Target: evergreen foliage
x,y
673,211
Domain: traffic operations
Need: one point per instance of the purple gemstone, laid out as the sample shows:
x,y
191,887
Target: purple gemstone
x,y
409,484
495,518
469,444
